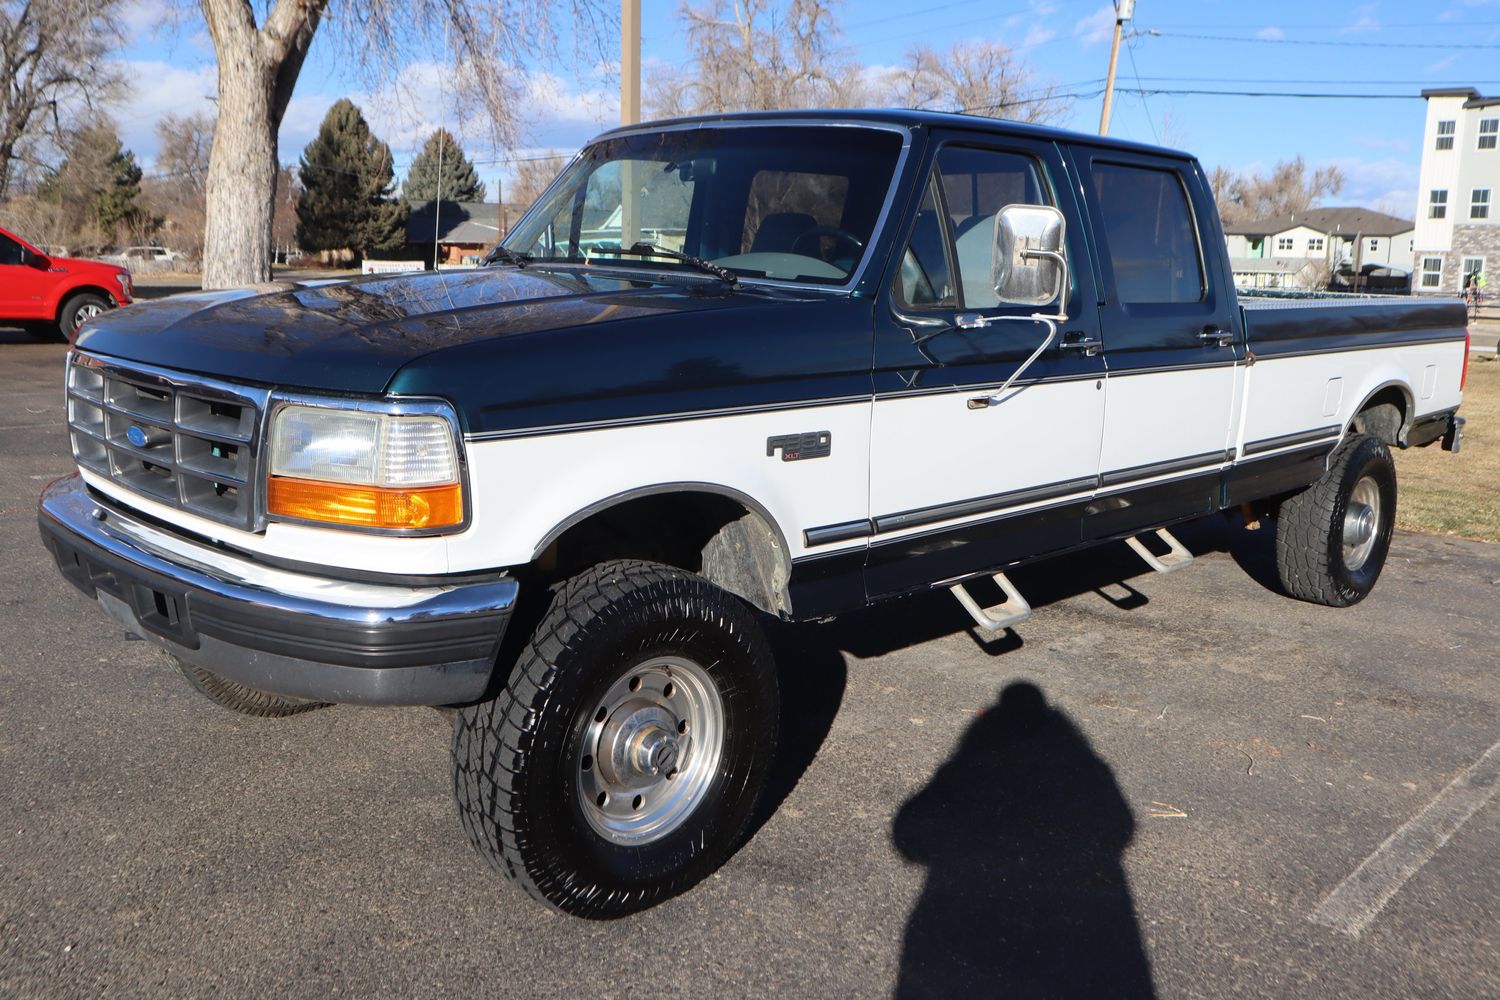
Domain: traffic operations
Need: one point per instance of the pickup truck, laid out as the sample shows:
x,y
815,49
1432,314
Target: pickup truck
x,y
799,363
53,296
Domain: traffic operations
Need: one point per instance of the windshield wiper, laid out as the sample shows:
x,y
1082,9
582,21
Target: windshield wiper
x,y
508,255
644,249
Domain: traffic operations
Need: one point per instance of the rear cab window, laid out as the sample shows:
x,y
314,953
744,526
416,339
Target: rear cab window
x,y
1153,241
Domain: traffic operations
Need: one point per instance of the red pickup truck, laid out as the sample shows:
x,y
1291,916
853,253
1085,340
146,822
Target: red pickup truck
x,y
53,296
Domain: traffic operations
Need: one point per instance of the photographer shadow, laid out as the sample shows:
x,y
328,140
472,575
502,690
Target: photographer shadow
x,y
1022,832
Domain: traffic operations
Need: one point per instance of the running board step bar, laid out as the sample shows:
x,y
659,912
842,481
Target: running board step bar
x,y
1012,611
1177,558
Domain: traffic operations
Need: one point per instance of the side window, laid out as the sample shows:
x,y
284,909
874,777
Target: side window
x,y
10,251
947,262
926,275
1153,244
976,185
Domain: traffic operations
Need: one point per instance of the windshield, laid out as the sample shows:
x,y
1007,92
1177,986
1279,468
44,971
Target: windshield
x,y
788,203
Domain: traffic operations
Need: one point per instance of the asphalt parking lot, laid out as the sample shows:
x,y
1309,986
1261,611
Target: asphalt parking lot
x,y
1181,785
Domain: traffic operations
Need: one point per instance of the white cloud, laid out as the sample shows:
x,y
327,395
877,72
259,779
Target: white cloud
x,y
1038,34
1271,33
1364,22
1370,183
1097,27
158,88
1383,143
1441,64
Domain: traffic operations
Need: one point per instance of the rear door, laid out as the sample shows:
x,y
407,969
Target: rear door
x,y
962,480
1171,341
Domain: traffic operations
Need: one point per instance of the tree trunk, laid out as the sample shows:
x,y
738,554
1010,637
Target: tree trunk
x,y
241,174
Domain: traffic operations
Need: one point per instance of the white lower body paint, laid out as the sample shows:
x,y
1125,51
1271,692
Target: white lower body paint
x,y
1355,902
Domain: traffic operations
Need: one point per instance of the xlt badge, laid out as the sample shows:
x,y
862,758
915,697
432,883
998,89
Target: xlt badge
x,y
795,447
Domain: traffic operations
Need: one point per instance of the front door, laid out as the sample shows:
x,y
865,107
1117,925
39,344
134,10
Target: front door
x,y
1171,342
18,282
963,479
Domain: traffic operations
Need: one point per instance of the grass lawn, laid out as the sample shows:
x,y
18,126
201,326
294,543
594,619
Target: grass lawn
x,y
1458,494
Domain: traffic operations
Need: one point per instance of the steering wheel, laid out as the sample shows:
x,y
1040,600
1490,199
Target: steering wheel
x,y
834,232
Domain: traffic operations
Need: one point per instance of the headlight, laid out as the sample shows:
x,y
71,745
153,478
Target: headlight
x,y
126,284
367,466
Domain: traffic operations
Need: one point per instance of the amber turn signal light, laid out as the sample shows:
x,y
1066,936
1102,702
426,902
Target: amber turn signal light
x,y
366,506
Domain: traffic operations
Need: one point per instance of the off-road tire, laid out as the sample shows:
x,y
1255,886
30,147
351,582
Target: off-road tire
x,y
516,757
238,698
1309,527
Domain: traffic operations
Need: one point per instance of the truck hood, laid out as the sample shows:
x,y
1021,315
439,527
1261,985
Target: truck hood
x,y
353,336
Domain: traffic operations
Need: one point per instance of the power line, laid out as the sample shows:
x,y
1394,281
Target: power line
x,y
1324,41
1130,51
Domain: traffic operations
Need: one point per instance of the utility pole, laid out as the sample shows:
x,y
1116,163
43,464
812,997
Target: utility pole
x,y
630,62
630,112
1124,10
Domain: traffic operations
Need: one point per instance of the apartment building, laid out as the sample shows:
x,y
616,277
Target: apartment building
x,y
1458,222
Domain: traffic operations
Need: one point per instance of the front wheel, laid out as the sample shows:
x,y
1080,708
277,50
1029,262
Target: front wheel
x,y
77,311
621,763
1332,538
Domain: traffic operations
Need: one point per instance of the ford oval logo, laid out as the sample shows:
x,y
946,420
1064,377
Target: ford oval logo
x,y
136,436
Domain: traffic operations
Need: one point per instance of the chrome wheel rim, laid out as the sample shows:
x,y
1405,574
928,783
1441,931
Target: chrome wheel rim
x,y
1361,523
85,312
650,750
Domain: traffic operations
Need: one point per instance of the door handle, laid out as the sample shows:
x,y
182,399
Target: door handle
x,y
1212,336
1080,341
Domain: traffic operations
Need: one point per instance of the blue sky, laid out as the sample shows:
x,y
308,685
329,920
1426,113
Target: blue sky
x,y
1372,48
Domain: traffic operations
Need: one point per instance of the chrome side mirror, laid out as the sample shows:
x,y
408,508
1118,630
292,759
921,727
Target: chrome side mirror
x,y
1028,267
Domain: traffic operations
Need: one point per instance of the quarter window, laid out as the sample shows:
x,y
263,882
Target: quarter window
x,y
1432,272
1437,205
1489,130
1445,132
926,274
1479,203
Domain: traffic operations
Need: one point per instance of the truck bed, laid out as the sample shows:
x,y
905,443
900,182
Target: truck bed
x,y
1334,321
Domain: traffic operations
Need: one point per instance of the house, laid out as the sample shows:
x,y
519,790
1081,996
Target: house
x,y
1458,233
461,231
1277,272
1328,239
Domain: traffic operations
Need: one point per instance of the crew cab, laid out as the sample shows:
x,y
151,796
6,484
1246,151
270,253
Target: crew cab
x,y
52,296
726,370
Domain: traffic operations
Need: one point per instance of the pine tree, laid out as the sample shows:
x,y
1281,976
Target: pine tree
x,y
97,183
456,180
347,183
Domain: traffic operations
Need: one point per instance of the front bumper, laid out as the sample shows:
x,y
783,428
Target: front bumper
x,y
288,633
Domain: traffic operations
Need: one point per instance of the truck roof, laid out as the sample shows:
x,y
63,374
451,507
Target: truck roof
x,y
906,118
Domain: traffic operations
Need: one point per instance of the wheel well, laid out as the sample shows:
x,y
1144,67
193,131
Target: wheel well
x,y
719,537
73,293
1384,415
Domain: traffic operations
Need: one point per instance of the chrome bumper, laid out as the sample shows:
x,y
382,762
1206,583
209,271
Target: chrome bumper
x,y
286,632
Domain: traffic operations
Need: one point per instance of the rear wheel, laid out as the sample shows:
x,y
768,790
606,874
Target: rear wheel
x,y
1332,538
622,761
238,698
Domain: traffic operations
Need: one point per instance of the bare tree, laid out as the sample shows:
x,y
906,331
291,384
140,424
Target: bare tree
x,y
977,78
755,55
53,61
531,179
177,189
1290,189
259,64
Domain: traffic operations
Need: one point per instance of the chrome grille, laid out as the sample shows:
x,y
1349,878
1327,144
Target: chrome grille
x,y
186,441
